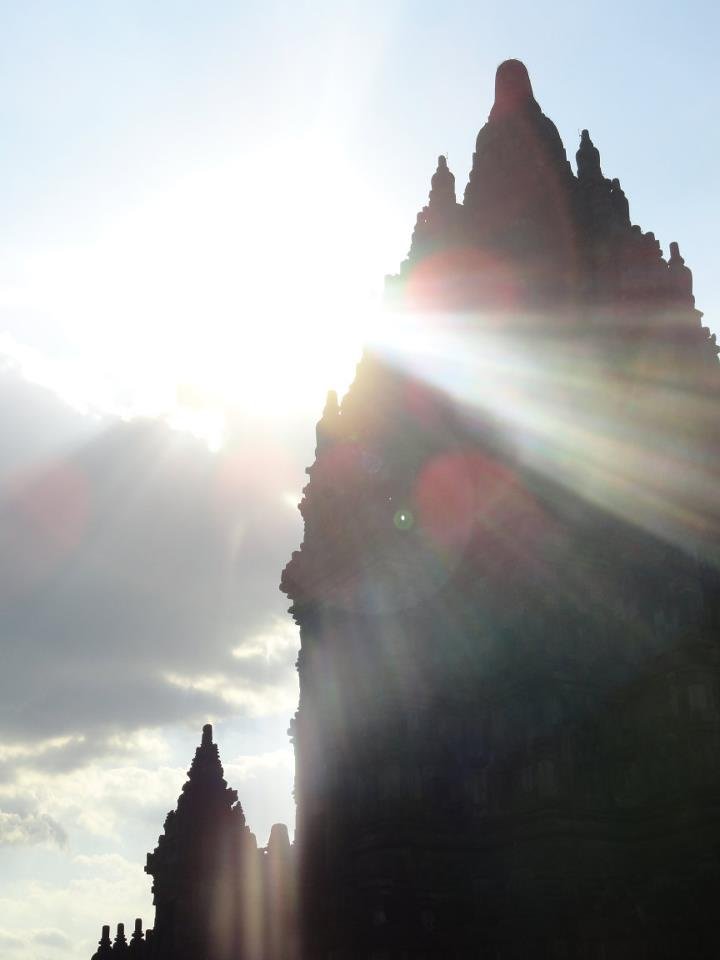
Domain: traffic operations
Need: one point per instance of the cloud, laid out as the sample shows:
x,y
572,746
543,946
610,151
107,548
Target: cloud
x,y
52,938
91,894
244,768
59,755
136,567
34,422
262,678
96,799
108,865
30,829
138,598
10,943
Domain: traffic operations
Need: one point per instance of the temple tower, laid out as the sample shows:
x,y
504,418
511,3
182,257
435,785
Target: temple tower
x,y
217,896
507,590
206,871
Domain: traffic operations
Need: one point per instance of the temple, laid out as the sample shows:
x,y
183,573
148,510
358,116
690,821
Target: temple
x,y
507,741
508,735
217,895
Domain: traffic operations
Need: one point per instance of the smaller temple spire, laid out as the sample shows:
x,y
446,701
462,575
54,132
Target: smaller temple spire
x,y
442,185
137,941
619,202
205,784
437,223
205,846
326,427
279,840
681,278
207,877
120,945
104,951
588,159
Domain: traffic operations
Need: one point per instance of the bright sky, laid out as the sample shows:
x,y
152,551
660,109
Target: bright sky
x,y
198,203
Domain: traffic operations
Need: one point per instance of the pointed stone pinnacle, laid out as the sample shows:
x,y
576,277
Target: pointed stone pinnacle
x,y
512,88
442,185
588,159
675,252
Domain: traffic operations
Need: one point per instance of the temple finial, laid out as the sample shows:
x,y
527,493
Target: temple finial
x,y
442,185
120,944
104,950
681,278
588,159
137,941
512,88
206,735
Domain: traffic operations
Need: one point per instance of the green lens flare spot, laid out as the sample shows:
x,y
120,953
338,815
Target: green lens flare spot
x,y
403,520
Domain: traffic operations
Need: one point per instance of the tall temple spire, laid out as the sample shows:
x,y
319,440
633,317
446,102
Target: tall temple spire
x,y
519,194
201,866
513,660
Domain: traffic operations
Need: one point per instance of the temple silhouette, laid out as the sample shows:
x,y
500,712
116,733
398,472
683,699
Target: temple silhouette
x,y
217,895
508,734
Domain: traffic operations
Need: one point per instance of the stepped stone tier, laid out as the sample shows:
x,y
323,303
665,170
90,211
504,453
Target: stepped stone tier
x,y
508,735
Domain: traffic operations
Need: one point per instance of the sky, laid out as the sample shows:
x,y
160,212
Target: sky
x,y
198,205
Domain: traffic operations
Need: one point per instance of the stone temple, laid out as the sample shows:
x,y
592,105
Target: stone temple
x,y
508,736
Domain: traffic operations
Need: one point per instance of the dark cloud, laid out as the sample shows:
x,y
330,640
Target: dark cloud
x,y
134,556
34,422
30,829
52,938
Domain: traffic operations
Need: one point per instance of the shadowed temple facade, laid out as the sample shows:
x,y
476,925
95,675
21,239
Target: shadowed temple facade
x,y
508,735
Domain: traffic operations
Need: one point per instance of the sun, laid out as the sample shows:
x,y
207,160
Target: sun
x,y
259,313
251,283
